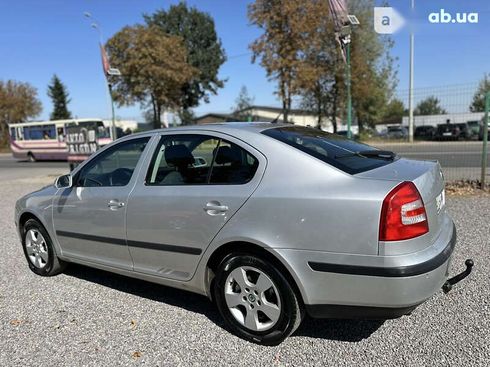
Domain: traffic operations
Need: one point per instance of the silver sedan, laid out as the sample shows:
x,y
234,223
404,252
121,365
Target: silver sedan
x,y
272,223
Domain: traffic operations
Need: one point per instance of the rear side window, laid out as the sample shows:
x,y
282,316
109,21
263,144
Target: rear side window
x,y
329,148
199,160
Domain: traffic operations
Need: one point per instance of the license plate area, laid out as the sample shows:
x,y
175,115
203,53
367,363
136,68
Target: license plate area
x,y
441,201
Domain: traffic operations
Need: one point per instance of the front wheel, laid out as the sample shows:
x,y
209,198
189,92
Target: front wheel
x,y
256,300
39,251
30,157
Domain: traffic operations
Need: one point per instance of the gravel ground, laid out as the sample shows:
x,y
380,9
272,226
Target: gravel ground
x,y
89,317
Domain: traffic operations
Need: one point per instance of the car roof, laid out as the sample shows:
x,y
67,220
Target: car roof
x,y
226,127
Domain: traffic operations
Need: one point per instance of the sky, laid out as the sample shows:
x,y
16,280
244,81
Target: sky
x,y
41,38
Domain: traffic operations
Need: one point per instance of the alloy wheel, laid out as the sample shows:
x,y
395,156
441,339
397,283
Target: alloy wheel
x,y
37,248
252,298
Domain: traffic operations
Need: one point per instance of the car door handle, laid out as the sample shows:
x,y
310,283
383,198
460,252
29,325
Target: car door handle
x,y
214,208
115,204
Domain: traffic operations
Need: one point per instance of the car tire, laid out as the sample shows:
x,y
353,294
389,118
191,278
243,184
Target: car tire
x,y
39,251
262,293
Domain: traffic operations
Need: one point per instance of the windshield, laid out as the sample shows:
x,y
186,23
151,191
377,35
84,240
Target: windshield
x,y
329,148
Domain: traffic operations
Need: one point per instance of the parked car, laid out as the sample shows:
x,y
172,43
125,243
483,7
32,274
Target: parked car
x,y
447,131
396,132
474,129
480,131
344,134
283,221
425,132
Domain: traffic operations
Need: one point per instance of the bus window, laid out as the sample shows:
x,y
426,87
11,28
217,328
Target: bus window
x,y
20,133
49,132
61,134
32,133
12,133
41,132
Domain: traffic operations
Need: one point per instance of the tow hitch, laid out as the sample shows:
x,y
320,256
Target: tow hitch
x,y
457,278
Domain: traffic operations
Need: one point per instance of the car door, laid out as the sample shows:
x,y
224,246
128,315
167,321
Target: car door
x,y
195,183
89,218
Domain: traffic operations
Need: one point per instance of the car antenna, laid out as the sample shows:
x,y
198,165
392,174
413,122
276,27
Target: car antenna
x,y
276,119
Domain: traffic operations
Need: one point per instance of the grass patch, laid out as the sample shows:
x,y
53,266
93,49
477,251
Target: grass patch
x,y
467,188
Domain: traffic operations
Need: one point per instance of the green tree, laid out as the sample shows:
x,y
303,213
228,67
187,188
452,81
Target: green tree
x,y
204,50
154,69
59,95
394,112
374,77
478,102
242,102
321,74
18,102
285,26
429,106
298,49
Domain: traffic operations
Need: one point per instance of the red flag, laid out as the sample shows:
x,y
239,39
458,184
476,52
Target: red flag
x,y
105,60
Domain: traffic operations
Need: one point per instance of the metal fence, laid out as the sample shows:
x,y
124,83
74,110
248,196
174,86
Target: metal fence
x,y
445,129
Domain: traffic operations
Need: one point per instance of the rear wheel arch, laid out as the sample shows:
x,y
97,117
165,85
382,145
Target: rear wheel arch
x,y
247,248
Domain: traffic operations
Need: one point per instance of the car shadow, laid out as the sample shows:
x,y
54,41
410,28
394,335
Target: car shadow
x,y
175,297
338,330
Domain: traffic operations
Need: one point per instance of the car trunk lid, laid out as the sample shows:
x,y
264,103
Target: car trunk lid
x,y
429,180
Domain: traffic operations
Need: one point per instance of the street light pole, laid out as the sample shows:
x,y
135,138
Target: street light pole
x,y
410,91
96,25
349,92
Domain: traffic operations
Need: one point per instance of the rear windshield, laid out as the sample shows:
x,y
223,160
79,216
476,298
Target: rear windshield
x,y
330,148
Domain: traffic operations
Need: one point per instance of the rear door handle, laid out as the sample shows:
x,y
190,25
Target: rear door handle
x,y
215,208
114,204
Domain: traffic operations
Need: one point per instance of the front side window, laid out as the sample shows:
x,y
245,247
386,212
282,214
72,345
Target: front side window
x,y
200,160
115,166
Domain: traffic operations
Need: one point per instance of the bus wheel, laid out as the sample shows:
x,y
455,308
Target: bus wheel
x,y
31,157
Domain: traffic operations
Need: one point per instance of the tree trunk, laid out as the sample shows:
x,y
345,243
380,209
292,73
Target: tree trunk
x,y
319,112
319,106
285,111
156,118
334,108
159,116
360,125
4,133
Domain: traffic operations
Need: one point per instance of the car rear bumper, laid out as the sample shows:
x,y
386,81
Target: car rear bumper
x,y
344,290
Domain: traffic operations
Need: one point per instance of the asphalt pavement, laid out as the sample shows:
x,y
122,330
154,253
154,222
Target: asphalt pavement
x,y
88,317
12,169
464,154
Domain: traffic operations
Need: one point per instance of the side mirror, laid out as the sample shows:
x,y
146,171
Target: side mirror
x,y
63,182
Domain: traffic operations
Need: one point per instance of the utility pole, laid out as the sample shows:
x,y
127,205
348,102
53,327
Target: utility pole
x,y
410,91
349,92
484,157
96,25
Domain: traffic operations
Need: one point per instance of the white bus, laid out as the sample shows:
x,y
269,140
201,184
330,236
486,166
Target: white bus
x,y
45,140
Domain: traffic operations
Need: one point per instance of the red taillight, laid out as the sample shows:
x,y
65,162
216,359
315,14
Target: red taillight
x,y
403,214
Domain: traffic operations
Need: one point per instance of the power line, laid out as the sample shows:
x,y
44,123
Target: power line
x,y
239,55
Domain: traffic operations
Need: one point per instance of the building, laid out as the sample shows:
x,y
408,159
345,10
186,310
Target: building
x,y
266,114
123,124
